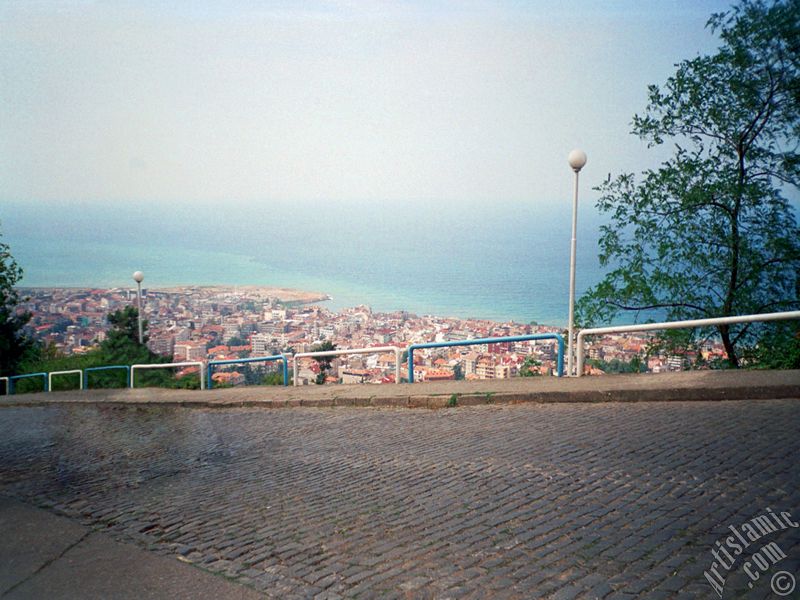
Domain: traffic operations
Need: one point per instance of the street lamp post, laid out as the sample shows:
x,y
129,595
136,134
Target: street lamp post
x,y
576,159
138,276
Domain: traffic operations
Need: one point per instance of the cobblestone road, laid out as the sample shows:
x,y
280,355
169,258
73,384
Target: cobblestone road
x,y
525,501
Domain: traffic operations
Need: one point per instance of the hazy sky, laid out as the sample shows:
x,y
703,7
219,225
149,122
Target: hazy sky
x,y
341,101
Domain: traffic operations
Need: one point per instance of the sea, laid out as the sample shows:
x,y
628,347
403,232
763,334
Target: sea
x,y
491,260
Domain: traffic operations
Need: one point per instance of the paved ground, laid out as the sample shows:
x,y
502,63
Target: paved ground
x,y
611,500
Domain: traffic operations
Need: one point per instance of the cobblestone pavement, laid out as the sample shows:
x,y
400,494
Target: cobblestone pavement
x,y
524,501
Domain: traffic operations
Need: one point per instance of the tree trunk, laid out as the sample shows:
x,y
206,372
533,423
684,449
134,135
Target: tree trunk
x,y
730,349
733,282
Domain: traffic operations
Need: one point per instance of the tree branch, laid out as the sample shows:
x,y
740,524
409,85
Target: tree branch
x,y
757,270
653,306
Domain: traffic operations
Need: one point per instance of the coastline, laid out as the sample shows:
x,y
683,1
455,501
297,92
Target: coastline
x,y
285,295
281,294
477,285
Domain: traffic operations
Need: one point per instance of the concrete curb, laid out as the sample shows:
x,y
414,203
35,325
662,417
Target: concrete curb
x,y
689,386
44,555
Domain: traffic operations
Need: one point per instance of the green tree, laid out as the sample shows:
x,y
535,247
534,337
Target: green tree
x,y
710,233
616,365
275,378
14,342
121,345
323,361
458,372
778,347
530,368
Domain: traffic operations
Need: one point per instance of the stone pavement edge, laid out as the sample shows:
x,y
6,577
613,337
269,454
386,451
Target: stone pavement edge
x,y
680,386
47,556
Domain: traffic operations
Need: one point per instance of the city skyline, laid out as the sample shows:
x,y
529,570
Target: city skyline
x,y
230,324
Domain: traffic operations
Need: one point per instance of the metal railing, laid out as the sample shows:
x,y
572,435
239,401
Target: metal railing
x,y
204,368
234,361
397,354
690,324
495,340
13,378
126,367
69,372
168,365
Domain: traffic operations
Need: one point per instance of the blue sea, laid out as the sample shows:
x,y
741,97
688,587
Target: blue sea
x,y
500,261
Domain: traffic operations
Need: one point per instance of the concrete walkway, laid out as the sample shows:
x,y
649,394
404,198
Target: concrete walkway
x,y
691,385
46,556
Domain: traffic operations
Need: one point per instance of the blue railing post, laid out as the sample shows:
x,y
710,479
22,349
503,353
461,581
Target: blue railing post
x,y
496,340
12,381
560,357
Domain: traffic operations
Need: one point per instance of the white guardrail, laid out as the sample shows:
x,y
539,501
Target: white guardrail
x,y
71,371
398,353
779,316
198,364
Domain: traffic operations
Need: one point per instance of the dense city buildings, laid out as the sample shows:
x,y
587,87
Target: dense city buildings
x,y
225,323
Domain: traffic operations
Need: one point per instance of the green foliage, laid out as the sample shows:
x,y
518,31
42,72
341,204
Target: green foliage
x,y
15,344
323,361
275,378
188,382
326,346
530,368
709,233
778,347
236,341
619,366
452,402
458,372
121,347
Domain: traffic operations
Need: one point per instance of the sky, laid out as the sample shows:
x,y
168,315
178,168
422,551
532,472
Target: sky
x,y
345,101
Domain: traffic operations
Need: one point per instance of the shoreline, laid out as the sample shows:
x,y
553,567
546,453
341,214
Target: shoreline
x,y
285,295
282,294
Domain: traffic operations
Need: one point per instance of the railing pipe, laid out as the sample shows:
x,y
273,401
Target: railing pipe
x,y
13,378
71,371
376,350
689,324
168,365
494,340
